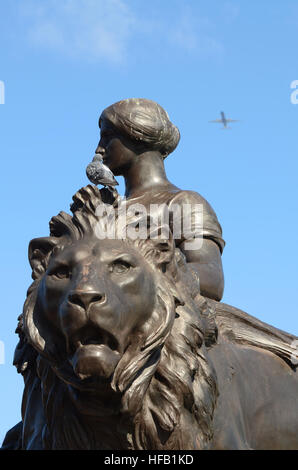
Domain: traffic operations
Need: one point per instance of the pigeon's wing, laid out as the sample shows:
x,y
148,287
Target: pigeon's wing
x,y
98,173
108,175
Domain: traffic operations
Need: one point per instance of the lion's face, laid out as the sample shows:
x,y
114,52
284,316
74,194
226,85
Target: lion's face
x,y
94,295
115,320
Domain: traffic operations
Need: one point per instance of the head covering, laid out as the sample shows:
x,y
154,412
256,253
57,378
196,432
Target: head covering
x,y
144,121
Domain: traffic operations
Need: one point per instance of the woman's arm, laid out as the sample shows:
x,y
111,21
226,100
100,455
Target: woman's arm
x,y
207,264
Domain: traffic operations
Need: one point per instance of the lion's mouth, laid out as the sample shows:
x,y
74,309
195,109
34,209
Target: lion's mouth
x,y
96,336
93,352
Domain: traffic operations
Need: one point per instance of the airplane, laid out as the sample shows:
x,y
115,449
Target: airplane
x,y
224,120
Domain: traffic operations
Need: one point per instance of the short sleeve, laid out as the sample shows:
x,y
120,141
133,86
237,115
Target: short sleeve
x,y
209,227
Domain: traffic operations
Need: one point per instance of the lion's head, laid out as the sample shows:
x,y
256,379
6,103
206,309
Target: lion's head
x,y
117,332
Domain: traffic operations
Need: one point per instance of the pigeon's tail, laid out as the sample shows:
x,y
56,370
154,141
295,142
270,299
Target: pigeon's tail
x,y
116,195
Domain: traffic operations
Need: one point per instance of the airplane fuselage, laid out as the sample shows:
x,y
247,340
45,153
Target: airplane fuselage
x,y
223,118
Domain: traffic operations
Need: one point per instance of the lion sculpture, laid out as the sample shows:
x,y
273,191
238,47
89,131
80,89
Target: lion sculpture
x,y
119,350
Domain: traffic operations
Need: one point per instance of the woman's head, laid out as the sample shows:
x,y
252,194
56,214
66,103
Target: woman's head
x,y
143,121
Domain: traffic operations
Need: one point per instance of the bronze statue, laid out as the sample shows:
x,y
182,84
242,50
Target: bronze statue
x,y
118,347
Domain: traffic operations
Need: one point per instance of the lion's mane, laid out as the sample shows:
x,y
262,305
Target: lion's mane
x,y
167,383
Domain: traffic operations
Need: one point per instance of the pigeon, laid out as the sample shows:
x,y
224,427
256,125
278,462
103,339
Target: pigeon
x,y
98,173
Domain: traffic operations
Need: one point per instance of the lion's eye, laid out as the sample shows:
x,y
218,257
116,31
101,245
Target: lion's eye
x,y
120,267
61,272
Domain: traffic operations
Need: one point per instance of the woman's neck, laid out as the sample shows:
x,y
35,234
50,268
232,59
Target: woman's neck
x,y
146,173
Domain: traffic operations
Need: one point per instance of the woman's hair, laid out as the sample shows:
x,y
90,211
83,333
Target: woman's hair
x,y
143,121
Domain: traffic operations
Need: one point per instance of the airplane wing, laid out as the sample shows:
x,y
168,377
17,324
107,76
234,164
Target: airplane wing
x,y
232,120
216,120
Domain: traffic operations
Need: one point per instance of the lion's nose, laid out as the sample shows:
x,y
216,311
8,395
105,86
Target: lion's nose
x,y
85,299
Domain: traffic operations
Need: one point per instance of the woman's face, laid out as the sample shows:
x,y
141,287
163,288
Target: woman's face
x,y
115,150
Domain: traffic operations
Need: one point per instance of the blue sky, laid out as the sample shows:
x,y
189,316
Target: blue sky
x,y
64,61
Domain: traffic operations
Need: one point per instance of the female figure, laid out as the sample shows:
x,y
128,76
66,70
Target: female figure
x,y
136,137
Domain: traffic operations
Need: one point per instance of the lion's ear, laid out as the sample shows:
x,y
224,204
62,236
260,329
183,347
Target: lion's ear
x,y
39,252
164,252
164,246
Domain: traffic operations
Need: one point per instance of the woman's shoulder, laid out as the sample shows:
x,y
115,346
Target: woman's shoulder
x,y
211,226
191,197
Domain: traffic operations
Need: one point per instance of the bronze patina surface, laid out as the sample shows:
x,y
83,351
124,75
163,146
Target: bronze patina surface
x,y
123,341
